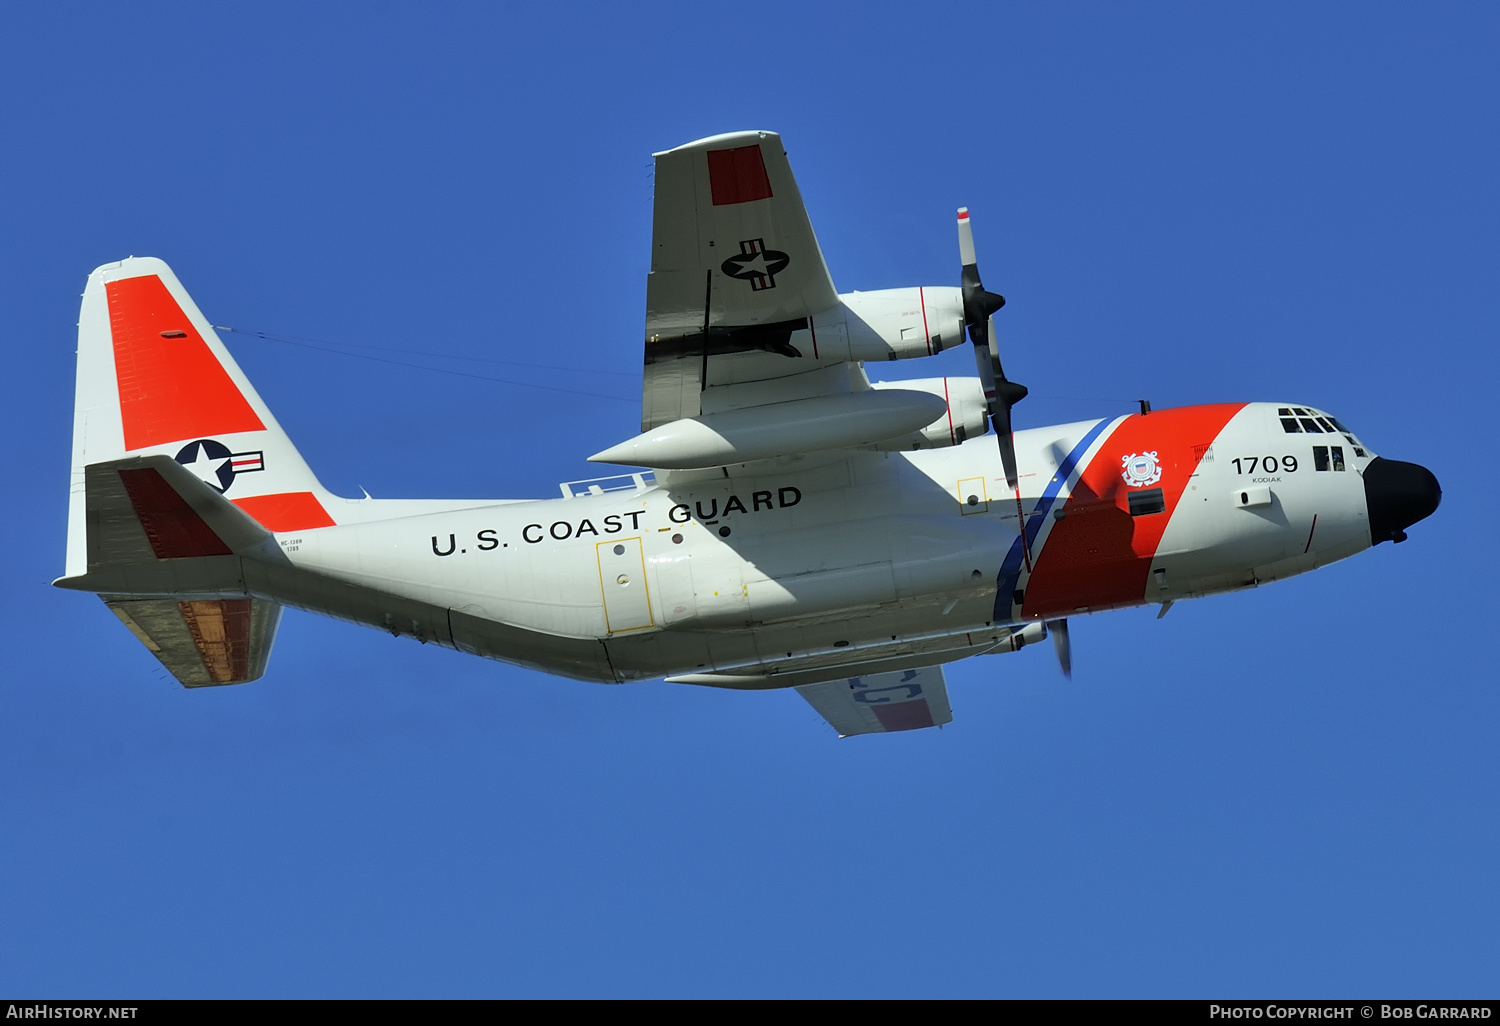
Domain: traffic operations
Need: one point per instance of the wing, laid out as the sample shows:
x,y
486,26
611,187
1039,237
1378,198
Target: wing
x,y
750,353
735,270
882,702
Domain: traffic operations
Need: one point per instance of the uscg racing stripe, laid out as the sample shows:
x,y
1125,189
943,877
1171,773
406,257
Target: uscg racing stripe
x,y
287,511
172,386
1098,556
1010,570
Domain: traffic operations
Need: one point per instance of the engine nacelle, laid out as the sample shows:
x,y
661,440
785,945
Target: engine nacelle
x,y
888,324
967,417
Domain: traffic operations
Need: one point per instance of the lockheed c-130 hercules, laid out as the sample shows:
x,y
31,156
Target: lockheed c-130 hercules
x,y
802,526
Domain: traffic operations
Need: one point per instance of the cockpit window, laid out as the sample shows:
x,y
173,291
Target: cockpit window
x,y
1295,421
1349,435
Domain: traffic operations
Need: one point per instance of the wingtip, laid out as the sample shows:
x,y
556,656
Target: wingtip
x,y
130,267
722,140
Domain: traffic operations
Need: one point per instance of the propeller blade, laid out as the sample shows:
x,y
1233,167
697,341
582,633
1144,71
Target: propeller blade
x,y
980,306
986,364
966,243
1002,395
1059,631
1006,439
1007,449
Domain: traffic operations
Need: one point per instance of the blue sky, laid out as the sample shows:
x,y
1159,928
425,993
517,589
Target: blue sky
x,y
1286,792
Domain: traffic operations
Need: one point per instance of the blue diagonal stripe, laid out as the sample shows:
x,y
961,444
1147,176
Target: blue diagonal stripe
x,y
1010,570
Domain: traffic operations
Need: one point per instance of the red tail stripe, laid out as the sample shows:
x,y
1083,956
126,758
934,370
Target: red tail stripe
x,y
172,388
287,511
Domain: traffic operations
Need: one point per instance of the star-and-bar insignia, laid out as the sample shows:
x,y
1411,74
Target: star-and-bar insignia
x,y
215,465
756,264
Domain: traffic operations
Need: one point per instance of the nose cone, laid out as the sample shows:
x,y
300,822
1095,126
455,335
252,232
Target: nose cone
x,y
1398,495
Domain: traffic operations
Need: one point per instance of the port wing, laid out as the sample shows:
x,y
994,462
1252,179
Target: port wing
x,y
882,702
736,271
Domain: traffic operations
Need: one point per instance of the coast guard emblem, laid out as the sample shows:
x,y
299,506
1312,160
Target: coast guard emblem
x,y
1140,469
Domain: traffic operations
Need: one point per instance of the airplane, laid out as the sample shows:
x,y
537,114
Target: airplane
x,y
800,526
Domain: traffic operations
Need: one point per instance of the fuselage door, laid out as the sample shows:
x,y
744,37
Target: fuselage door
x,y
622,581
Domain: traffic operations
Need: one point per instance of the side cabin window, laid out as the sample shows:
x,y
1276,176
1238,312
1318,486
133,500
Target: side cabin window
x,y
1146,502
1328,457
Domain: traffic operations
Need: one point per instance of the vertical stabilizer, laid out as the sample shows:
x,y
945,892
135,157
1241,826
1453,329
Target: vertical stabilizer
x,y
154,378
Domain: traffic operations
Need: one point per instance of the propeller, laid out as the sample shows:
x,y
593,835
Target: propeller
x,y
980,307
1059,631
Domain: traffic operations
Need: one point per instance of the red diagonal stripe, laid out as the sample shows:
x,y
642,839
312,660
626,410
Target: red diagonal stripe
x,y
172,387
1099,556
286,511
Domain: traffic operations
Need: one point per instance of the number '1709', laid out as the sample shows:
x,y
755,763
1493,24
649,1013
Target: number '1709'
x,y
1268,464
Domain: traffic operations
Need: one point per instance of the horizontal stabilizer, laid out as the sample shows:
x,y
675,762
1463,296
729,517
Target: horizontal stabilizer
x,y
153,528
164,553
178,515
203,642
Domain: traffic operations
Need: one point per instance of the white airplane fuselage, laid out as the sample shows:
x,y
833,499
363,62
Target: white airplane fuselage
x,y
887,559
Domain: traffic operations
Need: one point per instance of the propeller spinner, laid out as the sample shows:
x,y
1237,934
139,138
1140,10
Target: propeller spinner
x,y
980,307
